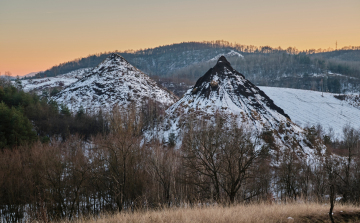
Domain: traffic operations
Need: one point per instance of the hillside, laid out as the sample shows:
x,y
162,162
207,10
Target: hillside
x,y
308,108
224,92
298,104
114,82
344,55
334,71
46,84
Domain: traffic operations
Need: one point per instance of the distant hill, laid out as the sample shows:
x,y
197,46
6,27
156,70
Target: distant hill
x,y
7,77
333,71
161,61
31,74
342,55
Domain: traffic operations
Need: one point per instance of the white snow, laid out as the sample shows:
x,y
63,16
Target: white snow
x,y
234,95
232,53
114,82
307,108
40,84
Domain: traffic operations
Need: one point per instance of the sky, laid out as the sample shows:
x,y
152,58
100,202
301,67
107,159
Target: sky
x,y
38,34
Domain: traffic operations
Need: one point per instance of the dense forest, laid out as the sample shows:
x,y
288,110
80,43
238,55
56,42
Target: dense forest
x,y
56,165
186,62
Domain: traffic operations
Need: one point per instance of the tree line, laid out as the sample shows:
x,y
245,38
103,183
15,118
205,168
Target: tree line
x,y
168,55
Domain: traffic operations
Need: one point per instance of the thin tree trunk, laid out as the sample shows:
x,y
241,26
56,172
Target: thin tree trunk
x,y
332,196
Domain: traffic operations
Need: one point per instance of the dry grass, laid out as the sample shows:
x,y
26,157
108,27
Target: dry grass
x,y
241,213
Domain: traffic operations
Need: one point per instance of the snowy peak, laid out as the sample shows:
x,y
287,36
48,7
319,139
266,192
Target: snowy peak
x,y
215,74
224,91
113,59
224,88
114,62
222,59
115,56
114,82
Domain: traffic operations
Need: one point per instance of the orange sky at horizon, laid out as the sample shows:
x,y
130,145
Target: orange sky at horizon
x,y
39,34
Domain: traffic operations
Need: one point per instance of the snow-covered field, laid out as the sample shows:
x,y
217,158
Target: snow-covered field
x,y
63,80
311,108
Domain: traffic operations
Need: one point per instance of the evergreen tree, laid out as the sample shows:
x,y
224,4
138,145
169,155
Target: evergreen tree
x,y
15,129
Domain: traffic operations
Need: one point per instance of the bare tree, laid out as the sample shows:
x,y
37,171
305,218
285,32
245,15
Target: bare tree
x,y
163,164
237,157
332,169
201,147
119,155
221,155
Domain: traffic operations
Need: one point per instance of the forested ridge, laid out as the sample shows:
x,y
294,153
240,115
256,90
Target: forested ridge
x,y
264,65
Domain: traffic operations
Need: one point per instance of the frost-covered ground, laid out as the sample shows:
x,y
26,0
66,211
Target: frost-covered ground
x,y
311,108
41,84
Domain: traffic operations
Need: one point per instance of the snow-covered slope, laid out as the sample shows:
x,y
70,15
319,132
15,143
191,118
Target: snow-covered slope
x,y
232,53
224,90
63,80
78,74
114,82
308,108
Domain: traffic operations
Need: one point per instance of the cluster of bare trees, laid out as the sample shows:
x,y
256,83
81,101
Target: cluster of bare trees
x,y
221,160
217,164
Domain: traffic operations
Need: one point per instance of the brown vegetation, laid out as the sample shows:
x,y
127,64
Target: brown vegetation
x,y
216,166
292,212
